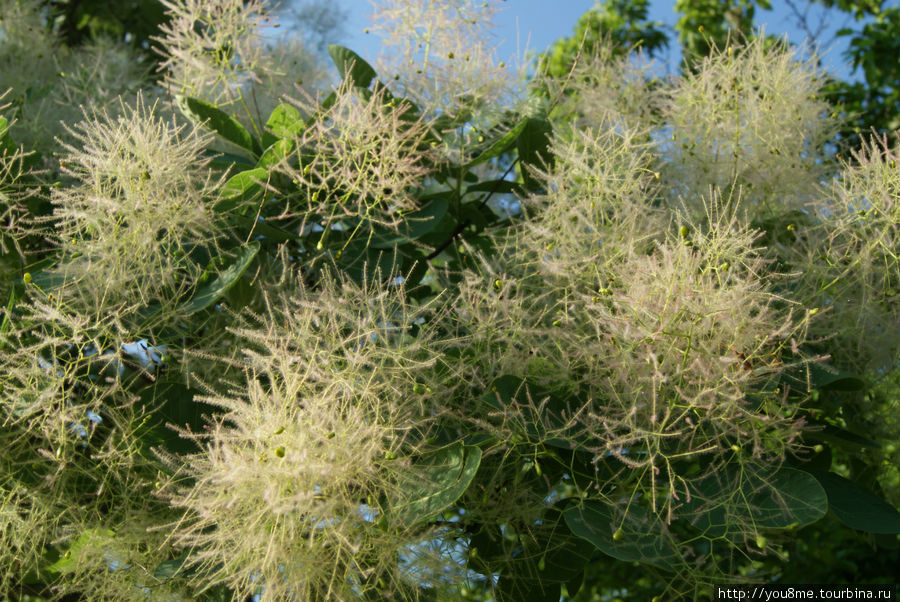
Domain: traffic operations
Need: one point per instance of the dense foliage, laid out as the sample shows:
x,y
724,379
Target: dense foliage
x,y
428,334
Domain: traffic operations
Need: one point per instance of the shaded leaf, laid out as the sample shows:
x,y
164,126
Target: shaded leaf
x,y
550,556
822,377
496,186
415,224
210,293
534,150
170,568
438,480
499,146
638,537
856,506
732,500
839,436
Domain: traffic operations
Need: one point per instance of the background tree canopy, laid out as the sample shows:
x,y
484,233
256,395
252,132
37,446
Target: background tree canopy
x,y
868,103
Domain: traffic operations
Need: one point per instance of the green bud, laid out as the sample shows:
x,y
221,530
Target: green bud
x,y
279,451
27,278
684,231
619,535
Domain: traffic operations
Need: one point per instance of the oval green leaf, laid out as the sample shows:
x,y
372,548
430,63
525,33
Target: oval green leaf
x,y
437,481
858,507
640,537
218,121
210,293
351,65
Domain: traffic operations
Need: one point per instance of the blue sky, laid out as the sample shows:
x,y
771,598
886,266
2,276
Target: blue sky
x,y
535,24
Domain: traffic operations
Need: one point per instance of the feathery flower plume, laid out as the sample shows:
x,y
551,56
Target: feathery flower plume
x,y
50,82
606,86
295,491
368,156
750,117
212,48
70,435
850,261
127,225
440,53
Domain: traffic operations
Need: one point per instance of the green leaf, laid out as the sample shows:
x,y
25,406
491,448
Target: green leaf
x,y
534,149
72,558
173,403
218,121
728,502
829,378
499,146
276,153
437,481
638,537
496,187
550,556
515,588
7,146
227,160
823,377
210,293
415,224
835,435
857,507
351,65
258,227
543,411
285,122
787,498
169,568
242,187
50,280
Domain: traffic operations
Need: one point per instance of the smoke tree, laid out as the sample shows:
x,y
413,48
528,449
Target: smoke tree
x,y
430,331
